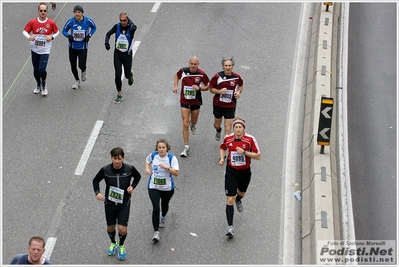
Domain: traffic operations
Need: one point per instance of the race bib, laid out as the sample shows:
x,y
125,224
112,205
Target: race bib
x,y
122,44
40,41
227,97
160,176
237,159
189,92
116,194
79,35
159,181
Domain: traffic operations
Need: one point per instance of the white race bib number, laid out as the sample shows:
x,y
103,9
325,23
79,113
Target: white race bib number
x,y
115,194
40,41
227,97
189,92
79,35
237,159
122,44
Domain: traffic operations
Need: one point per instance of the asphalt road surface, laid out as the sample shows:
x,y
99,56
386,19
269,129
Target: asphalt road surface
x,y
372,119
44,137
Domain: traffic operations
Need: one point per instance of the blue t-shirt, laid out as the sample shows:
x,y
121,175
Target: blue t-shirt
x,y
23,259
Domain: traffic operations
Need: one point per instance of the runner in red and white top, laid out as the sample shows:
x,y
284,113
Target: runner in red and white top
x,y
43,30
193,81
227,87
241,149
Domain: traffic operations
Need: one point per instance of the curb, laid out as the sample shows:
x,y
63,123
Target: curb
x,y
320,196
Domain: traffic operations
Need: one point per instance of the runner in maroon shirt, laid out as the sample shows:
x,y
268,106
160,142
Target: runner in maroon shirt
x,y
241,147
227,87
193,81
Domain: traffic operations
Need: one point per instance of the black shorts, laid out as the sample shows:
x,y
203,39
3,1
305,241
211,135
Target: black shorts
x,y
227,113
192,107
234,179
117,214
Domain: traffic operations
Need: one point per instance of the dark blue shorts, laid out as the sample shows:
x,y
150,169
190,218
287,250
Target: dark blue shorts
x,y
192,107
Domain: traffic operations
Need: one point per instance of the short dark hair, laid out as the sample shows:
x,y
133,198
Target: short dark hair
x,y
38,239
168,147
117,151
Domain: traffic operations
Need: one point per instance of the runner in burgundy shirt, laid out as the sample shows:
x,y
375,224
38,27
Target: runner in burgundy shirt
x,y
241,147
193,81
227,87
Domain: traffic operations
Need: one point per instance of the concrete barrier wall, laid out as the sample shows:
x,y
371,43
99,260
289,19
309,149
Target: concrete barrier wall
x,y
320,206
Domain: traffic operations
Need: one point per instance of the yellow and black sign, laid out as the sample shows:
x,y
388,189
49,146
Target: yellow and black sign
x,y
327,4
326,111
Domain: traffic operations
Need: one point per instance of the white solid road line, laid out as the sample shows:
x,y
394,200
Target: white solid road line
x,y
155,7
134,49
89,147
50,243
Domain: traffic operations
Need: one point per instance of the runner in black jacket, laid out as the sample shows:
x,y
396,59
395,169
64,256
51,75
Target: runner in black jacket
x,y
124,40
119,187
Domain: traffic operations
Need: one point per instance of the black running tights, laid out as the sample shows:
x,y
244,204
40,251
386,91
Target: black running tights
x,y
164,197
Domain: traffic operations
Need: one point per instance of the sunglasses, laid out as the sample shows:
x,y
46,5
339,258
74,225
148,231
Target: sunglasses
x,y
123,20
43,10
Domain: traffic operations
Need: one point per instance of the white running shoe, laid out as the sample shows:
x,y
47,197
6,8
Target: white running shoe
x,y
185,153
230,231
156,236
44,90
76,85
37,89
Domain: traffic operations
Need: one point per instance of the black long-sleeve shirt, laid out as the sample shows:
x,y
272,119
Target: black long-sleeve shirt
x,y
120,178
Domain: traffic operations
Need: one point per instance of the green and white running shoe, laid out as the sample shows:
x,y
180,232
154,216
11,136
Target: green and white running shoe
x,y
121,253
112,249
118,99
131,79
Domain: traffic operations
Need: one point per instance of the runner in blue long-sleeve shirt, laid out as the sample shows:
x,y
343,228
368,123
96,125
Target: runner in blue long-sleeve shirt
x,y
78,30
